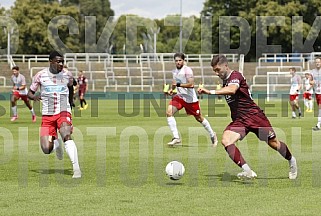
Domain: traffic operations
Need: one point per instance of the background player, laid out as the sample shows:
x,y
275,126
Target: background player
x,y
316,82
296,84
19,90
246,117
56,111
307,95
82,89
183,81
71,90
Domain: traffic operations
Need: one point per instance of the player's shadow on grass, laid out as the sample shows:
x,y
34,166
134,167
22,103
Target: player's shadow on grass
x,y
227,177
53,171
196,146
174,183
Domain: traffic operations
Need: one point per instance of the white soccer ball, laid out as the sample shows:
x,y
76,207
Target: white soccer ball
x,y
175,170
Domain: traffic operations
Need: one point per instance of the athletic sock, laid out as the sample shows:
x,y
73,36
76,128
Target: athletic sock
x,y
14,110
306,104
71,150
235,155
172,125
208,127
246,168
310,104
32,112
319,118
284,151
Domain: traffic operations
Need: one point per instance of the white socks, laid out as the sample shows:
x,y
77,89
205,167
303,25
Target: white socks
x,y
246,168
14,110
208,127
32,112
71,150
172,125
310,102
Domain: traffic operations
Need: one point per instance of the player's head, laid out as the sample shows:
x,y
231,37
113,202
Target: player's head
x,y
220,67
15,70
80,73
307,74
292,70
317,62
179,59
56,62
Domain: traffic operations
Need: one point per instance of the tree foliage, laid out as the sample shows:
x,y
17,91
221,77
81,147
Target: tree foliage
x,y
250,27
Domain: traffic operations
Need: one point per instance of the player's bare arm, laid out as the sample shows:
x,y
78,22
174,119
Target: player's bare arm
x,y
32,96
228,90
189,84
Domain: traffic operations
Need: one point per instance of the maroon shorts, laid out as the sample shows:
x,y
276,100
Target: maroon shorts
x,y
318,98
257,123
190,108
82,92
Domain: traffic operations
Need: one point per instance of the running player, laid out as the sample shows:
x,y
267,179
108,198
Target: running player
x,y
19,91
246,117
56,112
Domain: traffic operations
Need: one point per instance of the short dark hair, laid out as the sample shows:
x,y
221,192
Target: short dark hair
x,y
292,68
54,54
180,55
15,68
218,59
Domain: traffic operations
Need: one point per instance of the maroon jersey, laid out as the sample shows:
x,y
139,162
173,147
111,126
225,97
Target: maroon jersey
x,y
82,82
241,103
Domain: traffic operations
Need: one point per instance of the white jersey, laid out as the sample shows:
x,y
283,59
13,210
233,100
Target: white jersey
x,y
181,76
18,81
295,82
316,75
54,91
307,85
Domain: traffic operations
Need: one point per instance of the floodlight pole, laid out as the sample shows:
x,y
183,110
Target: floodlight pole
x,y
7,30
155,32
180,27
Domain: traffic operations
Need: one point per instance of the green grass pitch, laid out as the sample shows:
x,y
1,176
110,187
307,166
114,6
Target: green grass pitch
x,y
123,153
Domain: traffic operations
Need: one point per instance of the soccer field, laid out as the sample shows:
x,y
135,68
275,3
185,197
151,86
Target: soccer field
x,y
123,153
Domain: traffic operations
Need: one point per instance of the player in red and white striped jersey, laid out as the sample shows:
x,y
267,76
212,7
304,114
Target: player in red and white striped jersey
x,y
56,112
19,91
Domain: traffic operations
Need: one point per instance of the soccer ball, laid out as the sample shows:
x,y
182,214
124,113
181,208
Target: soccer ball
x,y
175,170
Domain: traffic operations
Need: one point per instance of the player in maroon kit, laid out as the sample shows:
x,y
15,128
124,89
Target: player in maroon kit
x,y
246,117
82,89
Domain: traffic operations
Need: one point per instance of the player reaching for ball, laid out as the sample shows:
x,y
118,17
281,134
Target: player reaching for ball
x,y
246,117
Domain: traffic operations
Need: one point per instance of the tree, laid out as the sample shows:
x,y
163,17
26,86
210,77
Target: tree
x,y
3,36
271,19
33,18
95,20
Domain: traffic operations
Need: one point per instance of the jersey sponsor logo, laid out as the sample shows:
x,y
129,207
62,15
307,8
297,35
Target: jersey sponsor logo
x,y
235,81
57,89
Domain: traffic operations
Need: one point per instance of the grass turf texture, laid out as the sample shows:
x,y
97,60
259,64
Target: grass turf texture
x,y
123,154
